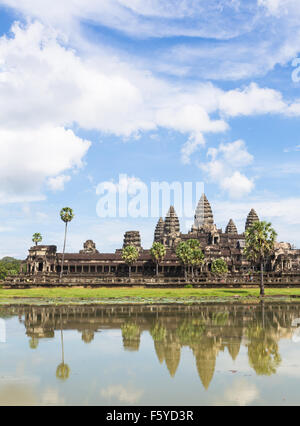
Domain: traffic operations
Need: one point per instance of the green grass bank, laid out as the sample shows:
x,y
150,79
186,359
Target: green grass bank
x,y
142,294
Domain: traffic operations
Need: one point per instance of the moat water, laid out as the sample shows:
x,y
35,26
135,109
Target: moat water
x,y
207,354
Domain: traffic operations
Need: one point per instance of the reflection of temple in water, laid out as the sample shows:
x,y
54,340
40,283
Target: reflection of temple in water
x,y
205,329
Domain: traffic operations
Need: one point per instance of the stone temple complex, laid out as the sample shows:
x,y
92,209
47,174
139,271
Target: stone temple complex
x,y
215,243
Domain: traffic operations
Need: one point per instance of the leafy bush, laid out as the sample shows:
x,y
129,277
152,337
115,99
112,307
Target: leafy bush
x,y
219,267
9,266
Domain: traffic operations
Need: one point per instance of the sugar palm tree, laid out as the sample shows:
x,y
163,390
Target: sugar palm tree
x,y
260,241
158,252
66,215
37,238
130,255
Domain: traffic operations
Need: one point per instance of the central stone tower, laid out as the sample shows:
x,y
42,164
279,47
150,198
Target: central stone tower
x,y
204,220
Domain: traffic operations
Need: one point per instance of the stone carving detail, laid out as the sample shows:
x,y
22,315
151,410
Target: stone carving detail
x,y
89,247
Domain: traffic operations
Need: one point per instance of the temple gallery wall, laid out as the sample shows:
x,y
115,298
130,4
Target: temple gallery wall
x,y
45,261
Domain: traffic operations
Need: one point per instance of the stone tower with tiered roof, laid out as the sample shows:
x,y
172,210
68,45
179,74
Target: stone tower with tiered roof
x,y
132,238
203,219
168,231
231,228
159,230
251,218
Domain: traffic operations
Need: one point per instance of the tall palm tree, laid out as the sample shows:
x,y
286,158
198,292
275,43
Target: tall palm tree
x,y
66,215
260,241
130,255
158,252
37,238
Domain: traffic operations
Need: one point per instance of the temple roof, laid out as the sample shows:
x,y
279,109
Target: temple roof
x,y
132,238
231,228
251,218
203,214
171,221
159,230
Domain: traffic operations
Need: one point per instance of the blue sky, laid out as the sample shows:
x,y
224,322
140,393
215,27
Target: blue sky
x,y
180,90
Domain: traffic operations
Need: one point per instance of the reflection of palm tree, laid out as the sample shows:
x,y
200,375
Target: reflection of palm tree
x,y
158,332
87,336
33,343
190,331
263,353
131,334
63,370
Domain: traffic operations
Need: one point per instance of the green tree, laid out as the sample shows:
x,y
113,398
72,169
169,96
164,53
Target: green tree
x,y
260,241
3,272
158,252
130,255
66,215
219,267
197,256
185,254
37,238
9,266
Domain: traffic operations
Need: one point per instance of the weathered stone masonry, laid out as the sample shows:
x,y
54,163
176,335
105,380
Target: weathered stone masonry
x,y
215,243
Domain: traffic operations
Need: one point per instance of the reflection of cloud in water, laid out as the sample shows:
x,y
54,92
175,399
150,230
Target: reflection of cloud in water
x,y
17,394
241,393
122,394
51,397
22,391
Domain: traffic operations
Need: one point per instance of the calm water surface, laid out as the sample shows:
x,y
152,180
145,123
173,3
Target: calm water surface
x,y
151,355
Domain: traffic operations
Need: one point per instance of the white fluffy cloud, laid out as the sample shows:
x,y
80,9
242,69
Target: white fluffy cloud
x,y
253,35
46,87
237,185
43,82
224,167
58,183
252,100
29,157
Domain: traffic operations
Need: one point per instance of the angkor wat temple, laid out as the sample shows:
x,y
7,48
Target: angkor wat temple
x,y
215,243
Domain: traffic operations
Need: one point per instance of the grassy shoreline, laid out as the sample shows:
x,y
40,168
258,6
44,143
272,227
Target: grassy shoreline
x,y
141,295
